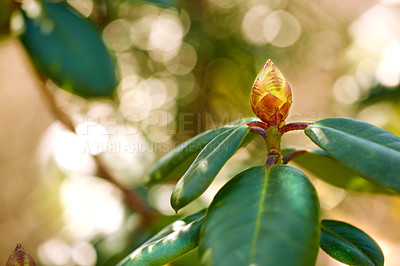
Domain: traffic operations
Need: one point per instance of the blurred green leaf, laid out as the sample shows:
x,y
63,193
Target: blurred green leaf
x,y
207,165
175,163
166,3
349,244
333,172
370,151
262,217
173,241
381,93
68,49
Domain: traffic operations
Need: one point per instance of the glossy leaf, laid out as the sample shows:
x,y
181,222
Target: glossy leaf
x,y
262,217
68,49
175,163
372,152
170,243
349,244
207,165
333,172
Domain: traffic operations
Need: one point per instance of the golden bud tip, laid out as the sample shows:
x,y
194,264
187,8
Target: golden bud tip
x,y
271,96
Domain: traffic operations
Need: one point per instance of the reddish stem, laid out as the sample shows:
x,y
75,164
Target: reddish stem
x,y
294,126
258,128
294,154
258,124
272,160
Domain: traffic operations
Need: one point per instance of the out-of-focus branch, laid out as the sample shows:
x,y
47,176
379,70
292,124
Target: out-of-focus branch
x,y
131,199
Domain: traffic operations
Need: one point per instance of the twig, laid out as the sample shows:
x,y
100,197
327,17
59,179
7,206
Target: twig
x,y
294,126
294,154
132,200
272,160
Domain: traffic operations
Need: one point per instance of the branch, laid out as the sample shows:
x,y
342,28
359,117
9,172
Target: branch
x,y
294,126
132,200
294,154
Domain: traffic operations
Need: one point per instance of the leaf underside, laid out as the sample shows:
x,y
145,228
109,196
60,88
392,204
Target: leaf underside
x,y
324,167
371,152
349,244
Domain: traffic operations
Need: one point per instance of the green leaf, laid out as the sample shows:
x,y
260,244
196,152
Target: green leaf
x,y
175,163
381,93
372,152
262,217
68,49
170,243
207,165
333,172
349,244
165,3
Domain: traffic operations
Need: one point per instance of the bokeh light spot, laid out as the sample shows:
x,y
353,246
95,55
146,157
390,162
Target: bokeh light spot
x,y
92,207
116,35
346,89
281,29
71,154
94,136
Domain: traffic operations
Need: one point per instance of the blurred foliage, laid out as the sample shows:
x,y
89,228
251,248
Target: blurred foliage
x,y
68,49
6,7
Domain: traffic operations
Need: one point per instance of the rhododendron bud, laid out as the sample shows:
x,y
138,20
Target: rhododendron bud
x,y
271,96
20,257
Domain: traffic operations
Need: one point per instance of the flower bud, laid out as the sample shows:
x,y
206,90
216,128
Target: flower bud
x,y
20,257
271,96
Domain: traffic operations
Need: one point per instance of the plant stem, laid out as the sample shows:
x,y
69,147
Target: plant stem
x,y
272,160
273,140
294,126
258,124
132,200
294,154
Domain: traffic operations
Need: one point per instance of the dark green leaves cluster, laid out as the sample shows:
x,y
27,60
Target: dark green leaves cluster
x,y
271,216
212,149
68,49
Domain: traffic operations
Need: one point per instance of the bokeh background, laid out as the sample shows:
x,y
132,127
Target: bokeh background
x,y
184,67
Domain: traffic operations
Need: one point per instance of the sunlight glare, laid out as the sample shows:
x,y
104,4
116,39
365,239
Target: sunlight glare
x,y
93,204
388,72
54,252
94,136
70,155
